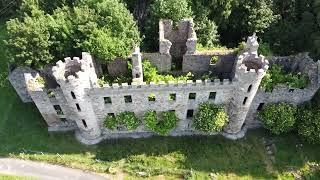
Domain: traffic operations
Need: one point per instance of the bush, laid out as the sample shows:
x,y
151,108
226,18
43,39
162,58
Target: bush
x,y
162,123
126,119
279,118
309,125
150,74
210,118
276,75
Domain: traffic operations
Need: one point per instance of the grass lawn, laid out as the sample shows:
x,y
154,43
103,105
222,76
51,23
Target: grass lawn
x,y
23,135
12,177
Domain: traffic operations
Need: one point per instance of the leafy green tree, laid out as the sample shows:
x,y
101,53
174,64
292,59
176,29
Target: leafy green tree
x,y
9,8
29,40
105,28
215,10
247,17
210,118
279,118
309,125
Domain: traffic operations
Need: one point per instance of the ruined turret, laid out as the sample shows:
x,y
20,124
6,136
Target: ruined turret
x,y
249,71
75,76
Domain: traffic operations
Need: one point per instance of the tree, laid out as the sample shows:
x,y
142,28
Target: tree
x,y
29,40
309,125
279,118
105,28
9,8
247,17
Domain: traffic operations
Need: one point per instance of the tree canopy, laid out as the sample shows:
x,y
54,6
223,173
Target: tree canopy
x,y
105,28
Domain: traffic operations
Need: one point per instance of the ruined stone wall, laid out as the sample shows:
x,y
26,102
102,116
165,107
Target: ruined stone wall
x,y
282,93
161,61
201,62
118,67
140,103
17,80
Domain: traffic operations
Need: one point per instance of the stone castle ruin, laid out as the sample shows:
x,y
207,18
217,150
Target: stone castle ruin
x,y
72,100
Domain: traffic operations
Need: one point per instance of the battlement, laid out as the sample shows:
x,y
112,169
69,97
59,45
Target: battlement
x,y
249,62
171,84
74,68
75,71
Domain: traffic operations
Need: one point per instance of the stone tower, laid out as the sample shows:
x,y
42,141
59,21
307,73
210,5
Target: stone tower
x,y
137,72
249,71
75,77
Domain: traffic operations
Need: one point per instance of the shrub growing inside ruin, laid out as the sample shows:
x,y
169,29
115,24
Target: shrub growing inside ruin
x,y
278,118
309,125
126,119
150,74
210,118
161,123
276,75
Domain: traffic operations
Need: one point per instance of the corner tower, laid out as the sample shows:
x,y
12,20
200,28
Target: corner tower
x,y
249,70
75,77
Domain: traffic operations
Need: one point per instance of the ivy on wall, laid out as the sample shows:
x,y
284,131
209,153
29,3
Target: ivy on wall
x,y
161,123
210,118
126,119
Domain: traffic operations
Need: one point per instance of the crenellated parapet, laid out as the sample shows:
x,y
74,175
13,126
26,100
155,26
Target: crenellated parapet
x,y
76,71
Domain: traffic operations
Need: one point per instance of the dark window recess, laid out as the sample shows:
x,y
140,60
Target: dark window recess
x,y
245,100
212,95
84,123
63,119
111,114
73,95
137,75
173,111
172,97
78,107
249,88
190,113
58,109
260,106
291,90
152,97
127,99
192,96
107,100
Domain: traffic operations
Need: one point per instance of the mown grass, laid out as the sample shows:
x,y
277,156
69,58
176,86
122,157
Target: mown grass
x,y
23,134
13,177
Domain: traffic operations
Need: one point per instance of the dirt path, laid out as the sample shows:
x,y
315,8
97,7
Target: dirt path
x,y
44,171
